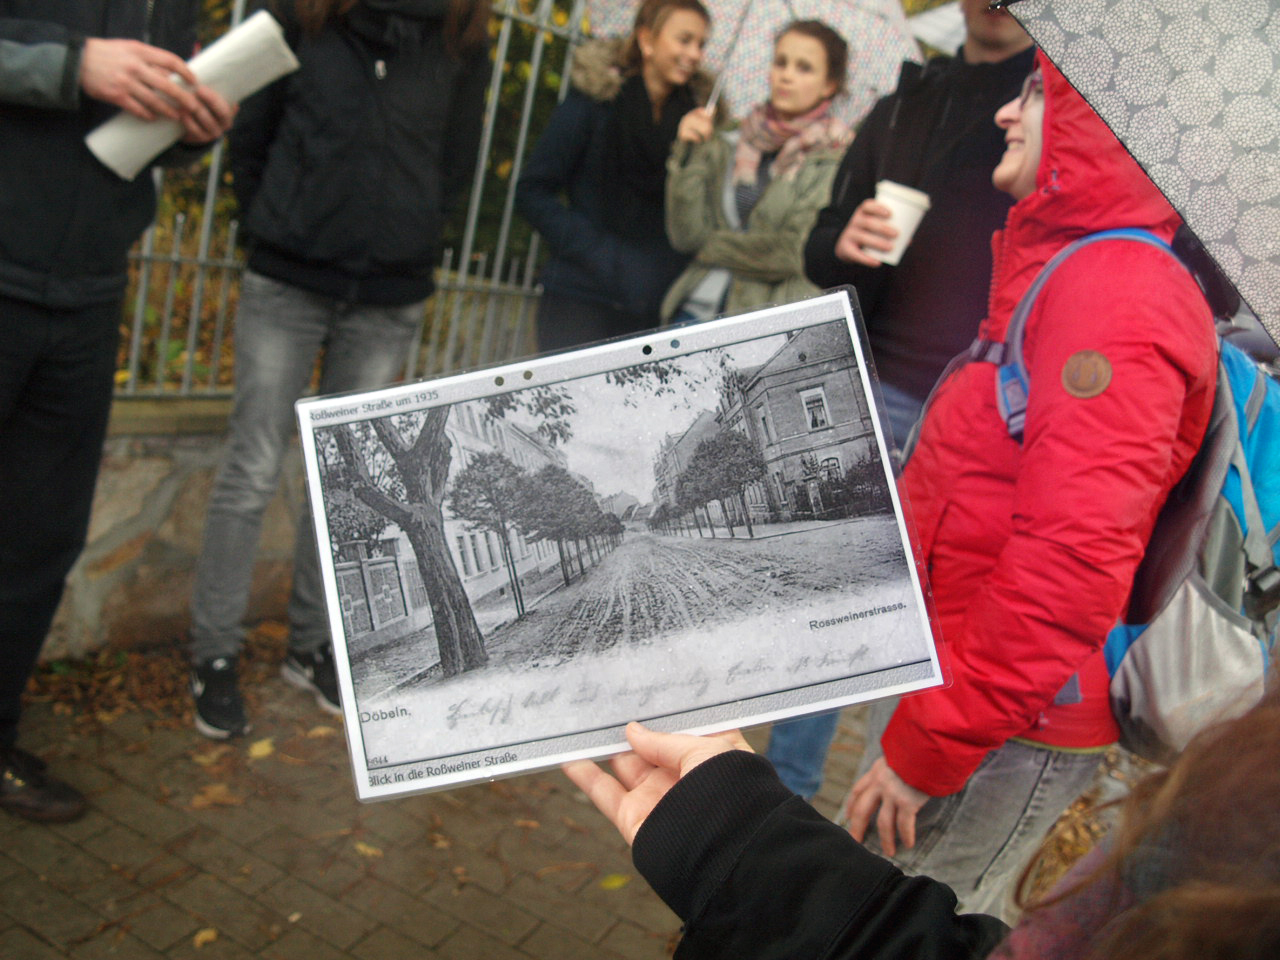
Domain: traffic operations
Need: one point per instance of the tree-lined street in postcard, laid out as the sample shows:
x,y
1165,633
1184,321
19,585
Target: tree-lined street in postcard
x,y
655,538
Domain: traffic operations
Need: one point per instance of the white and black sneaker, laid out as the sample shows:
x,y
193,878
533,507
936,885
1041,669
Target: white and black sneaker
x,y
216,692
313,671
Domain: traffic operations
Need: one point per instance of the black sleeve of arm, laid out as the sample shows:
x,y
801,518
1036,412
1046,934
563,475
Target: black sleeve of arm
x,y
855,181
250,139
465,127
755,872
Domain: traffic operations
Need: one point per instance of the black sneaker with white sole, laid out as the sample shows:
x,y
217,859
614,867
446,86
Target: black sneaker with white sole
x,y
216,692
313,671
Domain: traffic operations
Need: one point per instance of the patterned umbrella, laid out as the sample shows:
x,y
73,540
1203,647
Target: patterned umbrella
x,y
876,31
1191,89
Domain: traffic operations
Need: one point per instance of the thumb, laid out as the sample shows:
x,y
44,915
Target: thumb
x,y
677,752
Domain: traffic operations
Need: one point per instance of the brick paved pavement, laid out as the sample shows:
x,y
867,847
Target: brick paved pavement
x,y
258,849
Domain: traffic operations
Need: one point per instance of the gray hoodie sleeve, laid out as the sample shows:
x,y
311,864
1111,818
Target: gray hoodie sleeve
x,y
39,64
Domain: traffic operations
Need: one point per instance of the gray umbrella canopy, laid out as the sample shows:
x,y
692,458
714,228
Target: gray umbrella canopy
x,y
1191,89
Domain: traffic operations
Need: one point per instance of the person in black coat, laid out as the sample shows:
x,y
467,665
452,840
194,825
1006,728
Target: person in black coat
x,y
756,873
66,226
344,171
933,133
594,185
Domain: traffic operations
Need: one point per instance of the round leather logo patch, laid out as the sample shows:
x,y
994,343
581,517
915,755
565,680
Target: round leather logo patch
x,y
1086,374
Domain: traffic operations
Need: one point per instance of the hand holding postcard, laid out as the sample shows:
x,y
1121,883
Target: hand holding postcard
x,y
240,63
696,528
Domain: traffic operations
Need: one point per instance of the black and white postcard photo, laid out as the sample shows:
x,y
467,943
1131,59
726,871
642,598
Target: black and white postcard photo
x,y
696,528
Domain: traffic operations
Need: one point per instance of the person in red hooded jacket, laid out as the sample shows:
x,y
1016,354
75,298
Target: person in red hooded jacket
x,y
1031,546
1031,549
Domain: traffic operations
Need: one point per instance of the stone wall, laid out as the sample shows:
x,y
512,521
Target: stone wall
x,y
132,585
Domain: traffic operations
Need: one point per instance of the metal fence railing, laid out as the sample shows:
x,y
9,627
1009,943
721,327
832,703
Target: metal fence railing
x,y
186,269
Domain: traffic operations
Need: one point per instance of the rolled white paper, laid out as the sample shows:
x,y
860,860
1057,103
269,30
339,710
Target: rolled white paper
x,y
241,62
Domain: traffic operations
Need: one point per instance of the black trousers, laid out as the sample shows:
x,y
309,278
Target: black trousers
x,y
56,376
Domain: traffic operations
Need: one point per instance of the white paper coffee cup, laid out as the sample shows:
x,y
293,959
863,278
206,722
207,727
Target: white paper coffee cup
x,y
908,206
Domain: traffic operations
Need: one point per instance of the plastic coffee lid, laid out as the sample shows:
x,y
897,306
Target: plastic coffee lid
x,y
906,194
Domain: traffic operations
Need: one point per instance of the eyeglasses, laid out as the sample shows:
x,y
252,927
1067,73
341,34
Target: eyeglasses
x,y
1032,86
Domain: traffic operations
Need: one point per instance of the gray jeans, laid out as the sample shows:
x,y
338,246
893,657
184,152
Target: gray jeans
x,y
979,840
280,331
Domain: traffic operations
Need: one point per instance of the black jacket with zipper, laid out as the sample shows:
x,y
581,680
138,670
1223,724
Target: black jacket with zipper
x,y
936,132
344,169
66,221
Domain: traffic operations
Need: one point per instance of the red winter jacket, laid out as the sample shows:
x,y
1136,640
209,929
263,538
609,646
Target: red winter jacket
x,y
1031,548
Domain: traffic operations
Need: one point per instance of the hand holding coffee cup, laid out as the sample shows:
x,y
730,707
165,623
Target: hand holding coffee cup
x,y
880,229
907,208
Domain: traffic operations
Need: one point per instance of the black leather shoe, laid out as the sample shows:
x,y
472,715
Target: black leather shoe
x,y
26,790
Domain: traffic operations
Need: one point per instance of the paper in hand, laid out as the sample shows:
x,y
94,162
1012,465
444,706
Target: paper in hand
x,y
240,63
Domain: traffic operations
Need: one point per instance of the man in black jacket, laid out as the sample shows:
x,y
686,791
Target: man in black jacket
x,y
936,133
344,171
66,225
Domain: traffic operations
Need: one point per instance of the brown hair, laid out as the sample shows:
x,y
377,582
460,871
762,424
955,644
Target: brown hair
x,y
466,24
834,44
651,16
1209,826
314,14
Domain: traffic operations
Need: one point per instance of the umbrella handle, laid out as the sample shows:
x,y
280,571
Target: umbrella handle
x,y
718,87
716,90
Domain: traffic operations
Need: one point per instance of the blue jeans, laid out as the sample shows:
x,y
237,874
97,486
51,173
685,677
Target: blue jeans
x,y
798,751
979,840
899,411
280,330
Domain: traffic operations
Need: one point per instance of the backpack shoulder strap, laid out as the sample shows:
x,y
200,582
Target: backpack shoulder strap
x,y
1012,381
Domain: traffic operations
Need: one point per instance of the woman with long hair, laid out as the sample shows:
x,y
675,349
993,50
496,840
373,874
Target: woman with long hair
x,y
344,171
742,202
594,185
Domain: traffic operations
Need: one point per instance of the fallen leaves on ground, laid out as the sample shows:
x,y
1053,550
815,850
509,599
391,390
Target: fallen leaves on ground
x,y
209,756
368,850
615,881
262,748
97,690
204,937
439,841
215,795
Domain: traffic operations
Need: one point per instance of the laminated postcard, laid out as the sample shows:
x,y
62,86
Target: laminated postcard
x,y
696,528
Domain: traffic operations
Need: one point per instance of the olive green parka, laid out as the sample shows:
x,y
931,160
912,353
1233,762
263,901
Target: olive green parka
x,y
767,258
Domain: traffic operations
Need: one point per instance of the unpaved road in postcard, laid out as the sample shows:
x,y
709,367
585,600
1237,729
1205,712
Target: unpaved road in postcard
x,y
653,585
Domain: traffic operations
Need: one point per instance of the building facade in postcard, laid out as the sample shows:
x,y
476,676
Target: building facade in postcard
x,y
805,411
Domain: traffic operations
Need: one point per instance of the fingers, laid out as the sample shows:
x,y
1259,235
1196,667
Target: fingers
x,y
211,118
696,126
906,826
630,769
886,826
601,789
862,805
137,77
678,752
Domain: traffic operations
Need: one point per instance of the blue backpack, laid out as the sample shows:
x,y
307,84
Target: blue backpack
x,y
1195,644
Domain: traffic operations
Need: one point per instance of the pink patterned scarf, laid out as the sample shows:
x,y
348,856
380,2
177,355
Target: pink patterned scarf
x,y
762,131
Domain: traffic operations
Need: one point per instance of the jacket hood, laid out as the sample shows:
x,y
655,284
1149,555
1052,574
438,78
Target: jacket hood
x,y
1086,181
598,72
